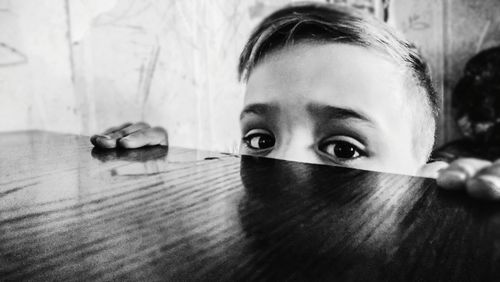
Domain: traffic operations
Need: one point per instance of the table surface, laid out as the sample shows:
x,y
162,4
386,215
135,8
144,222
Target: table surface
x,y
71,212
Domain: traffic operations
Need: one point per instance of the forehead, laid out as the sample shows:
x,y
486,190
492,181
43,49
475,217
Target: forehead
x,y
339,75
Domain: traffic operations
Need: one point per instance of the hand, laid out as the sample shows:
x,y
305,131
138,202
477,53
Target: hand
x,y
480,178
130,136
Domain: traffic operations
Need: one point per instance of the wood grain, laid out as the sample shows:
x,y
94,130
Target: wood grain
x,y
68,212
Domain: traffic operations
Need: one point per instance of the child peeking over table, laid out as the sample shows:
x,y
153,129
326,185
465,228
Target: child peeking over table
x,y
331,85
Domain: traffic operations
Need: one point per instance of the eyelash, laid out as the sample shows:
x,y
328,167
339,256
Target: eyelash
x,y
249,137
341,140
249,141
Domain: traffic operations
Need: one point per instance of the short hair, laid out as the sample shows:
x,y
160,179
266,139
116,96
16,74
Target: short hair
x,y
322,23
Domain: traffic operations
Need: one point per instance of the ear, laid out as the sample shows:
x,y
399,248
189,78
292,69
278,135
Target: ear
x,y
431,170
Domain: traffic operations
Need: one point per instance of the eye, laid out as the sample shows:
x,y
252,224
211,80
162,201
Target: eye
x,y
341,150
259,139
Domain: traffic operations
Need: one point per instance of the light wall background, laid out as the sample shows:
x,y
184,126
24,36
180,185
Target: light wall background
x,y
80,66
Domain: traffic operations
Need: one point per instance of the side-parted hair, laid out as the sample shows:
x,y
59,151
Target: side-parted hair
x,y
322,23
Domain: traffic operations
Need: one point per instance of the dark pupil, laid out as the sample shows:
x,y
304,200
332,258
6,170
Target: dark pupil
x,y
344,150
266,142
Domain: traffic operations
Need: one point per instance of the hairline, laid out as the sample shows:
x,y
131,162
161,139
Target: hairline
x,y
332,24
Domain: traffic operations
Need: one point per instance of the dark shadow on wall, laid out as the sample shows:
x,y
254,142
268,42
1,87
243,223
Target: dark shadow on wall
x,y
476,109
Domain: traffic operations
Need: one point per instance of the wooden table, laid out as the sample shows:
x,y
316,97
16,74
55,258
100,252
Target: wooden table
x,y
70,212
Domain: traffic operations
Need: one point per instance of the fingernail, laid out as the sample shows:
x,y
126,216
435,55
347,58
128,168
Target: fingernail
x,y
104,136
450,179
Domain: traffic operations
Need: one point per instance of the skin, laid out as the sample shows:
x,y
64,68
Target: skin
x,y
303,104
308,100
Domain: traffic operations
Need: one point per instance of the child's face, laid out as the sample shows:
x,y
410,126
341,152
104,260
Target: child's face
x,y
330,104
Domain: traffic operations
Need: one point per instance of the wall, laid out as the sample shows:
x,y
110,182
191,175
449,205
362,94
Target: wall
x,y
472,26
449,32
81,66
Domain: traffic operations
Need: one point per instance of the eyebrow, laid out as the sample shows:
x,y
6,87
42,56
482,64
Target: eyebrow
x,y
327,112
324,112
259,109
